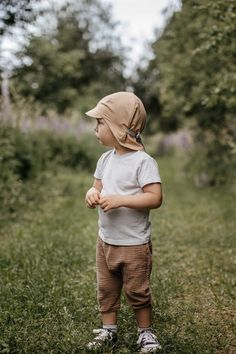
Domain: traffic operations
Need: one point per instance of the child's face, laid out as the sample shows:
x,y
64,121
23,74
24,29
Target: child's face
x,y
104,134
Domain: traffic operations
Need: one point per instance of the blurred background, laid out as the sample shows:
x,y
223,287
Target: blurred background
x,y
58,58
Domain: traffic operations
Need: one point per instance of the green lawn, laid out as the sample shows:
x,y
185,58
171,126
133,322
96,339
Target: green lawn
x,y
47,264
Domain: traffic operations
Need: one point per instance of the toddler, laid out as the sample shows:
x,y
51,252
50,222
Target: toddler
x,y
126,186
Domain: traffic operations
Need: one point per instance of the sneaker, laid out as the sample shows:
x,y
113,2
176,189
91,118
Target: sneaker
x,y
148,342
104,337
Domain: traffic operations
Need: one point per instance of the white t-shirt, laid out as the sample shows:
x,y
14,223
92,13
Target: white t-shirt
x,y
125,175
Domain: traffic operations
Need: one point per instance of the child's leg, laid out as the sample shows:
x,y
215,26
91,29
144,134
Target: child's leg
x,y
136,280
136,270
109,282
143,317
147,340
109,318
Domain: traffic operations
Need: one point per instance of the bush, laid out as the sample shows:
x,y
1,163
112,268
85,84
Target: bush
x,y
24,156
211,163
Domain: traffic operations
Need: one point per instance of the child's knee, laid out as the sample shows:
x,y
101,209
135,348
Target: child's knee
x,y
138,298
108,301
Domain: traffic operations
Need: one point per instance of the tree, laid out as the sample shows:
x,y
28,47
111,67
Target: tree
x,y
14,12
69,67
195,57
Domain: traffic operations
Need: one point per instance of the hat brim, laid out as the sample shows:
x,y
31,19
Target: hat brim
x,y
94,113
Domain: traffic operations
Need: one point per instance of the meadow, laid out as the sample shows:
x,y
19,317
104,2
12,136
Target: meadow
x,y
48,281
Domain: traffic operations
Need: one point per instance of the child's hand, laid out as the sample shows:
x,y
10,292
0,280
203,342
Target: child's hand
x,y
92,198
108,202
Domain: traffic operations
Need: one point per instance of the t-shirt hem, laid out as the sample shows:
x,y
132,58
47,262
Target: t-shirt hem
x,y
114,243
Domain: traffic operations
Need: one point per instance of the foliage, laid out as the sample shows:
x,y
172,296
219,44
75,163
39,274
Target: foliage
x,y
14,13
79,62
193,75
25,156
146,86
195,56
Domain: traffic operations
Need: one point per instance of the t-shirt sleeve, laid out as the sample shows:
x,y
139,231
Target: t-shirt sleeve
x,y
98,171
148,172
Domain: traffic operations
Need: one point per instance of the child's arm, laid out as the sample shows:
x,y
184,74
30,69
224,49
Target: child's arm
x,y
151,198
93,195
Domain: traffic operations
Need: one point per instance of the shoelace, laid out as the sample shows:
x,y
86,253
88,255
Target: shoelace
x,y
147,337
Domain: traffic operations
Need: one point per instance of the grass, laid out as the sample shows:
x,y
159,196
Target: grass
x,y
48,282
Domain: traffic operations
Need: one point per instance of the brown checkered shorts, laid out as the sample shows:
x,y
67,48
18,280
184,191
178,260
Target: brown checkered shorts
x,y
127,267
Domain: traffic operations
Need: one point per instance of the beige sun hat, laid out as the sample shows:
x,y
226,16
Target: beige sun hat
x,y
125,115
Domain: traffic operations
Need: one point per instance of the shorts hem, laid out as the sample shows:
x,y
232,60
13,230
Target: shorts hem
x,y
141,306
